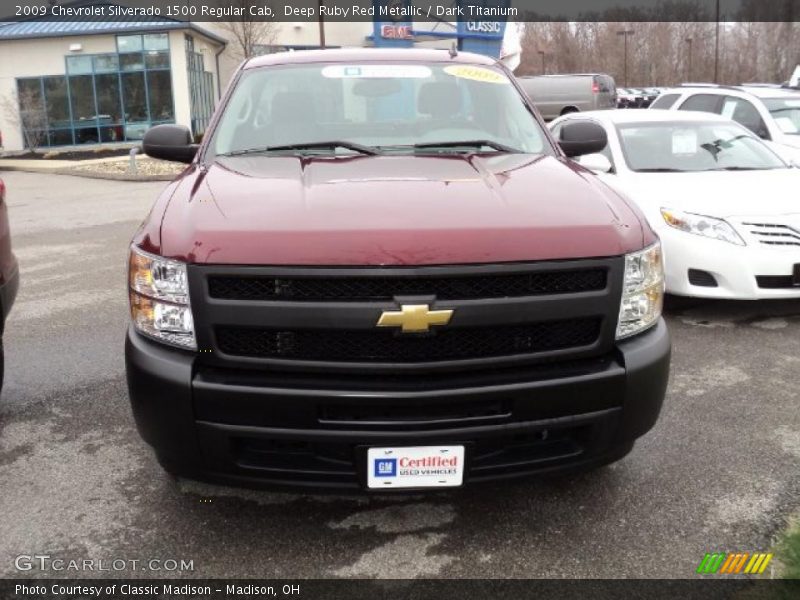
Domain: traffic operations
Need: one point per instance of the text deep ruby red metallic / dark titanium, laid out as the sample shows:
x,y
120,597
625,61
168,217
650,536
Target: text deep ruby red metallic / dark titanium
x,y
282,389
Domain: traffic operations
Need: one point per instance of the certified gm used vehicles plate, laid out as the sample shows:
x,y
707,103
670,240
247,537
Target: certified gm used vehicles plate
x,y
378,272
724,204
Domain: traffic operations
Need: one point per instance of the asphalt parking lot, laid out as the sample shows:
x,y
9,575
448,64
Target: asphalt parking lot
x,y
721,470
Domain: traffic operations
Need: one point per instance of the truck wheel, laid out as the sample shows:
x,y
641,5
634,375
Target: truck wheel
x,y
569,110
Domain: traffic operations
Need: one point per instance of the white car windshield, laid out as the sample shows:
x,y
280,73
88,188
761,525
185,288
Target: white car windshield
x,y
377,108
694,146
786,112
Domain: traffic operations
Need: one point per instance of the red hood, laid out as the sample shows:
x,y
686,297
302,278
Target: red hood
x,y
399,210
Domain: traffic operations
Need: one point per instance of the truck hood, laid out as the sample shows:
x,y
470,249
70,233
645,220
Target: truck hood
x,y
395,210
720,194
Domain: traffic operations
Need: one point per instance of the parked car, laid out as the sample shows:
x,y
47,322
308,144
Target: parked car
x,y
651,94
772,113
556,95
643,96
722,202
9,274
380,271
629,98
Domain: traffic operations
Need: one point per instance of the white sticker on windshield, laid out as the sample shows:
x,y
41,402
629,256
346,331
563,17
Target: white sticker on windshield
x,y
728,109
376,71
684,141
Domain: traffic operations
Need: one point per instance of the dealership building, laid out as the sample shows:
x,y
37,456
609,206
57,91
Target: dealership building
x,y
65,83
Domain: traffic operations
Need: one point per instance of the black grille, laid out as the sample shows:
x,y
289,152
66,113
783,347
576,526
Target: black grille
x,y
388,346
702,278
350,289
777,282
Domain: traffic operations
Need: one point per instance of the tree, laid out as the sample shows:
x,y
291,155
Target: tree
x,y
248,32
25,110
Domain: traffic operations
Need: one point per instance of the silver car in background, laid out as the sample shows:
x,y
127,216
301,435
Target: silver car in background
x,y
556,95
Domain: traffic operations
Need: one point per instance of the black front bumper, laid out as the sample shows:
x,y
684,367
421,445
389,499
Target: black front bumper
x,y
250,429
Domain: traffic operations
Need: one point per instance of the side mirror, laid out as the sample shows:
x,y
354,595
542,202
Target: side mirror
x,y
579,138
596,162
169,142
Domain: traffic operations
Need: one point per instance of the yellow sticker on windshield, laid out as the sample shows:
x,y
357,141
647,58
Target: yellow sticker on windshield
x,y
476,74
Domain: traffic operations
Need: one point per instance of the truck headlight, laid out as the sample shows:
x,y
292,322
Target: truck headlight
x,y
159,298
716,229
642,291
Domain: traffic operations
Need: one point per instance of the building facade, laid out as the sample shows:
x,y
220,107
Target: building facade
x,y
73,83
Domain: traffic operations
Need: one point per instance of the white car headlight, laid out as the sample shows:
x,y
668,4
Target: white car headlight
x,y
159,298
710,227
642,291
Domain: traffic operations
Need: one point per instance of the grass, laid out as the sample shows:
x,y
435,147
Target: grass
x,y
788,551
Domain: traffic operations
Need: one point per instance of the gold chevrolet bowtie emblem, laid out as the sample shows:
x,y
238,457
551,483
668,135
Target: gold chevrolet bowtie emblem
x,y
414,318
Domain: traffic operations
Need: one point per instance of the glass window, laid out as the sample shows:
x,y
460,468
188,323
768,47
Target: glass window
x,y
133,61
55,93
79,64
156,60
61,137
786,112
159,87
742,111
694,146
701,102
81,93
109,107
86,135
104,63
393,106
665,101
136,132
156,41
129,43
135,98
31,111
111,134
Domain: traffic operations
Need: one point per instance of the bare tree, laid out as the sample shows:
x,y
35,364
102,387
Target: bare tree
x,y
249,32
659,52
26,111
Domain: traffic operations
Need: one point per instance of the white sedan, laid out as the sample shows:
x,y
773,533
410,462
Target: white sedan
x,y
726,207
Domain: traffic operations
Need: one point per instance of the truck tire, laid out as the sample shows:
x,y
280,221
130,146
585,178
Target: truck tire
x,y
569,110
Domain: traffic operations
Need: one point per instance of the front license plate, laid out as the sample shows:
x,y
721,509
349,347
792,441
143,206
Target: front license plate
x,y
415,467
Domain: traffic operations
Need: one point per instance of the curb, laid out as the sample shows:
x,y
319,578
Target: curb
x,y
113,176
89,174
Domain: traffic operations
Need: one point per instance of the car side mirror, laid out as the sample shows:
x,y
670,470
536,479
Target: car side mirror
x,y
598,163
579,138
169,142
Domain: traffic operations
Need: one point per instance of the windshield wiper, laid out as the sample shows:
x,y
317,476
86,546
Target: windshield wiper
x,y
744,169
662,170
308,146
469,144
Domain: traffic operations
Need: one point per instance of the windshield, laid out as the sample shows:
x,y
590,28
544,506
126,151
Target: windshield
x,y
385,108
693,146
786,112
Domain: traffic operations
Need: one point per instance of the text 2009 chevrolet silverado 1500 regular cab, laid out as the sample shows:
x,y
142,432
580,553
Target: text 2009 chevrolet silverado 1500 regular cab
x,y
380,272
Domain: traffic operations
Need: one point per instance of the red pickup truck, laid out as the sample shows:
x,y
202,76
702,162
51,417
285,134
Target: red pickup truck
x,y
380,272
9,274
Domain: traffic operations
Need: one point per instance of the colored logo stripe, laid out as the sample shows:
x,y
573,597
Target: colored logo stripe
x,y
758,564
711,562
733,563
